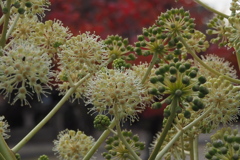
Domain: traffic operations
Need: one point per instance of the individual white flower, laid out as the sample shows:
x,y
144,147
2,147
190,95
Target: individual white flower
x,y
24,66
72,145
116,92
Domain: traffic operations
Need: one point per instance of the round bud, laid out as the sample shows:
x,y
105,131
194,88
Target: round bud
x,y
161,89
156,105
193,74
160,78
182,68
187,114
153,91
189,98
202,79
153,80
195,88
178,92
172,79
186,80
187,65
21,10
173,70
28,4
166,113
5,10
203,90
236,147
195,108
177,52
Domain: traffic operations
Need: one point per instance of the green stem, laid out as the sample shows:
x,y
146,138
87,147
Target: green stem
x,y
5,151
191,139
165,129
12,26
195,146
100,140
166,148
211,9
205,65
153,61
238,58
49,116
5,26
119,133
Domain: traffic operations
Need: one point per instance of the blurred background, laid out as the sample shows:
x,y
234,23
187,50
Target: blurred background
x,y
104,17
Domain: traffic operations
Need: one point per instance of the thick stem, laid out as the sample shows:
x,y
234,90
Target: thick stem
x,y
195,146
153,61
5,26
100,140
119,133
238,58
48,117
211,9
191,139
205,65
165,129
5,151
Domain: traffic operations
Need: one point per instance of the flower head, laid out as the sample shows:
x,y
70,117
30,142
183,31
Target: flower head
x,y
116,92
225,144
217,63
4,127
24,66
118,151
79,56
224,98
72,145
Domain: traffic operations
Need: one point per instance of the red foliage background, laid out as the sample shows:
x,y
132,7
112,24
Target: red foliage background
x,y
125,18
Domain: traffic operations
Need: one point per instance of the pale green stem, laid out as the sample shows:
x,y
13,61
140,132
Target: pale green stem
x,y
205,65
2,19
5,26
100,140
153,61
169,145
211,9
180,132
238,58
119,133
49,116
191,139
5,151
195,146
165,129
12,26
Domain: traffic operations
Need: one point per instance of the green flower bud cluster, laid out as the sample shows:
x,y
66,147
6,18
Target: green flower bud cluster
x,y
218,26
120,63
176,22
4,127
18,156
43,157
117,150
179,80
155,41
119,47
234,7
101,122
225,144
197,42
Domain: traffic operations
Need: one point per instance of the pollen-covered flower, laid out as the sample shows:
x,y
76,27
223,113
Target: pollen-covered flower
x,y
116,92
219,64
225,144
223,97
118,151
79,56
72,145
50,35
4,127
24,67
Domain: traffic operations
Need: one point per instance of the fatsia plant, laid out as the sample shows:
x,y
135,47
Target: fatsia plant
x,y
199,93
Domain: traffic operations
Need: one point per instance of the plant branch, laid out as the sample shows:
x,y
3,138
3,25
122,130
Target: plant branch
x,y
165,129
5,151
5,26
153,61
204,64
49,116
100,140
211,9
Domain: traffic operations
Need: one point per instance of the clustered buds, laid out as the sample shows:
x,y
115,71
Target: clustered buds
x,y
179,80
119,47
72,145
117,150
101,122
225,144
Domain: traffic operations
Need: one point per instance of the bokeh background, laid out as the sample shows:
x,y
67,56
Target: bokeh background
x,y
102,17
